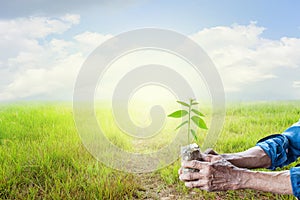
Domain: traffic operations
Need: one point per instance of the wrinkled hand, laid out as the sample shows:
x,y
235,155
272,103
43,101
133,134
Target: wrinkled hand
x,y
215,174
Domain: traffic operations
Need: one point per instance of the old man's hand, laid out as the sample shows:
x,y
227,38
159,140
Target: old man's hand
x,y
215,174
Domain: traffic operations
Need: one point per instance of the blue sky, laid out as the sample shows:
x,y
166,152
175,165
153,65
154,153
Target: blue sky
x,y
280,17
76,28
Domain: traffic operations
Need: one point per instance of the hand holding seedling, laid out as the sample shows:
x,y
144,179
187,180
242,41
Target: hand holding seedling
x,y
214,174
194,116
228,172
191,151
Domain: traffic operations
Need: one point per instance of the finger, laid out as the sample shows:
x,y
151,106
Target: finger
x,y
201,184
211,158
210,151
194,164
190,176
206,157
179,171
196,184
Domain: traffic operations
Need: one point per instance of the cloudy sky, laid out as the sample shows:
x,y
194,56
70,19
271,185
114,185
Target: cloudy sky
x,y
254,44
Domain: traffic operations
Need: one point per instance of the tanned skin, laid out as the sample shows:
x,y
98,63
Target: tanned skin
x,y
231,172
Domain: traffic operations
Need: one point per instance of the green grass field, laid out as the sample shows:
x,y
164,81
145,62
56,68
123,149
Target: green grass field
x,y
42,157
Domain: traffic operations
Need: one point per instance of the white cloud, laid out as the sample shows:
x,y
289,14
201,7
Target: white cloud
x,y
23,34
296,84
71,18
36,63
48,82
243,56
90,40
36,27
42,69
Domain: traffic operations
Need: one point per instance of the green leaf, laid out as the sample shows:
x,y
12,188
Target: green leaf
x,y
199,122
183,123
194,135
198,113
183,103
178,114
195,103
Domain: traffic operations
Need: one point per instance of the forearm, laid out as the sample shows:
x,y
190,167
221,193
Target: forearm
x,y
252,158
275,182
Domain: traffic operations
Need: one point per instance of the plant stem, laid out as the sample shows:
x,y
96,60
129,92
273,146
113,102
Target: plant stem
x,y
189,121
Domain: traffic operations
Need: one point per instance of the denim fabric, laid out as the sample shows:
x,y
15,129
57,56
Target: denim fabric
x,y
295,179
283,149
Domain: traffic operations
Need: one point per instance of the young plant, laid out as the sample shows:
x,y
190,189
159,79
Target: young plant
x,y
194,116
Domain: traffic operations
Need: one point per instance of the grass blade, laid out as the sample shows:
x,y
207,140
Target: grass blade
x,y
178,114
183,123
199,122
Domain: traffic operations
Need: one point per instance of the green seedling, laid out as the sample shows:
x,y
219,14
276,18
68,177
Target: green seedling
x,y
193,115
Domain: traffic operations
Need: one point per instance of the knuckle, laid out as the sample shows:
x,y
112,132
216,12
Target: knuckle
x,y
189,184
206,188
180,171
194,163
206,176
209,169
192,176
209,186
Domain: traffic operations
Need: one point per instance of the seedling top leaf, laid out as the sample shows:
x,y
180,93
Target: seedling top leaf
x,y
183,103
178,114
194,116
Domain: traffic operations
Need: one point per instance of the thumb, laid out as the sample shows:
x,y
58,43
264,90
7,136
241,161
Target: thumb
x,y
210,151
211,158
